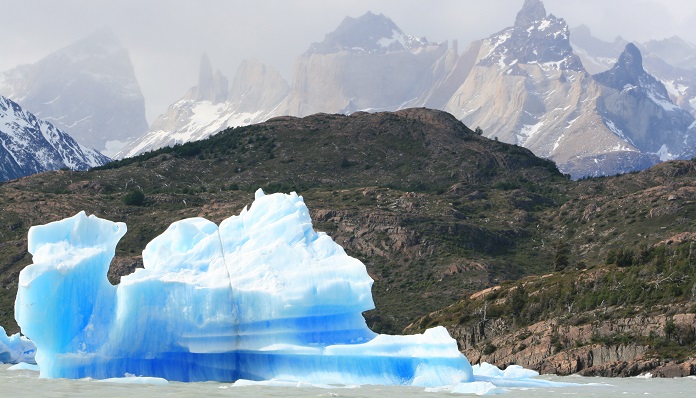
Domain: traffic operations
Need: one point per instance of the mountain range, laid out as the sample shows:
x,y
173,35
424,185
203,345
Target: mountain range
x,y
593,107
525,85
29,145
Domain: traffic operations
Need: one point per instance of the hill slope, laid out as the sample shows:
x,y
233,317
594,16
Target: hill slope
x,y
435,212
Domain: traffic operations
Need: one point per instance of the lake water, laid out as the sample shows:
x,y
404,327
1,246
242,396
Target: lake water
x,y
23,383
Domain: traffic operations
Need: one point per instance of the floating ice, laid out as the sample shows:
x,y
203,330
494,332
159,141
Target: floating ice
x,y
263,296
24,366
16,349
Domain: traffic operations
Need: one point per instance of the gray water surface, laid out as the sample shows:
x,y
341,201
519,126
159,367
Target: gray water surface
x,y
23,383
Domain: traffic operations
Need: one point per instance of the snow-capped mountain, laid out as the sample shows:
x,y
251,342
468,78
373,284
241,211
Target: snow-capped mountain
x,y
212,106
637,106
672,61
528,87
88,89
524,85
367,63
29,145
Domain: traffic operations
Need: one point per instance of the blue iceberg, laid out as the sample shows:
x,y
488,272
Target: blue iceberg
x,y
260,297
16,349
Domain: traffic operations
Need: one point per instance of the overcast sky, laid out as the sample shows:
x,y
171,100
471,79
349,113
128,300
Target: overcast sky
x,y
167,37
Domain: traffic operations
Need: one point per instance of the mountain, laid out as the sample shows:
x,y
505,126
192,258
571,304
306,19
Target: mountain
x,y
673,50
436,213
596,55
523,85
88,89
637,106
31,145
528,87
214,105
672,61
367,63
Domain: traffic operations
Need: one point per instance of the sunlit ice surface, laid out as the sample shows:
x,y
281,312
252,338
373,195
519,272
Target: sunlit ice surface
x,y
260,297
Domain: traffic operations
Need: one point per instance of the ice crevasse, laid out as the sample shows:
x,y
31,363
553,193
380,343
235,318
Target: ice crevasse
x,y
261,296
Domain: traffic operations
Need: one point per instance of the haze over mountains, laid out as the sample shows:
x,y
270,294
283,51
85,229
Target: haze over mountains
x,y
29,145
528,85
87,89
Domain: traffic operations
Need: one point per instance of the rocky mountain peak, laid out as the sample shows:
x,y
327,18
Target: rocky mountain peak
x,y
631,60
369,33
29,145
87,89
532,11
628,70
211,86
535,38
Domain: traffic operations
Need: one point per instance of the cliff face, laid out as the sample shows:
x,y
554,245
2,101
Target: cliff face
x,y
542,346
366,64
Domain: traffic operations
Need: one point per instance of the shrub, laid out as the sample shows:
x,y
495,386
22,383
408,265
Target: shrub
x,y
134,198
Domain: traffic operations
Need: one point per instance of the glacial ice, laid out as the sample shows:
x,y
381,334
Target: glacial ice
x,y
260,297
15,349
263,296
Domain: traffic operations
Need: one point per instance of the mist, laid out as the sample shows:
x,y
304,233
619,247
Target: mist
x,y
167,38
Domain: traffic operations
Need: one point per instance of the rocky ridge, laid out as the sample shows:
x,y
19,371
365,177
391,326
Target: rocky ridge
x,y
29,145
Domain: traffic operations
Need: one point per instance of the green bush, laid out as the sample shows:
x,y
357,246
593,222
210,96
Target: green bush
x,y
134,198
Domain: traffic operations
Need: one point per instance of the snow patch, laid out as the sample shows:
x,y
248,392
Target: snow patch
x,y
662,102
674,88
558,142
528,131
664,153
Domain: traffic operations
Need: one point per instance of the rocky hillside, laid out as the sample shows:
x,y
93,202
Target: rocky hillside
x,y
622,295
437,213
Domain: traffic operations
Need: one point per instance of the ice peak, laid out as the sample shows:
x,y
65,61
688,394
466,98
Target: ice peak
x,y
532,10
259,194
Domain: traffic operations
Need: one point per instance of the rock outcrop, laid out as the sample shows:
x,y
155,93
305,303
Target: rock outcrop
x,y
551,347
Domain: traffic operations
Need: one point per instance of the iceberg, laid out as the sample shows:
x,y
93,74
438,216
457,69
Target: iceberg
x,y
16,349
260,297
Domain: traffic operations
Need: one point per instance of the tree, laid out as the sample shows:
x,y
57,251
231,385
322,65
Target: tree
x,y
478,130
134,198
560,258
